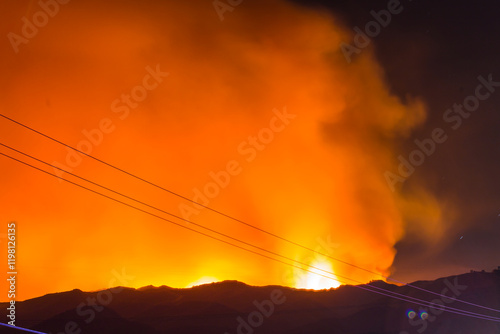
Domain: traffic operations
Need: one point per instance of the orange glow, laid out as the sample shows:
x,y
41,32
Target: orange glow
x,y
320,176
315,279
203,280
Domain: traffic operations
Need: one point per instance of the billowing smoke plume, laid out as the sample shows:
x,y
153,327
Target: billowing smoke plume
x,y
258,115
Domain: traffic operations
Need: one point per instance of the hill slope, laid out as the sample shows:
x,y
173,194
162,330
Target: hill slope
x,y
233,307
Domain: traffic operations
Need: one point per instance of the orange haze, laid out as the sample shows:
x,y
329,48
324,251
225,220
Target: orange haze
x,y
314,176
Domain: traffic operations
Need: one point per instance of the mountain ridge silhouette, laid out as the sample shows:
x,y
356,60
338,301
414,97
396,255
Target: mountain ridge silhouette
x,y
223,307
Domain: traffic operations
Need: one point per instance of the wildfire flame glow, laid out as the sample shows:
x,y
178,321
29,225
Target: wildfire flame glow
x,y
316,175
315,279
203,280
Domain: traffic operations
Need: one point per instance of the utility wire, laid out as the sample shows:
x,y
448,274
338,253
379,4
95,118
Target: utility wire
x,y
227,236
365,287
238,220
20,328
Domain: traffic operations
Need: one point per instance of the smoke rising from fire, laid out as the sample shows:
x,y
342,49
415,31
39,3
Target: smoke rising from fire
x,y
322,175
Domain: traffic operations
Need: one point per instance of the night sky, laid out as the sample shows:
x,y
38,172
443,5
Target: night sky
x,y
257,110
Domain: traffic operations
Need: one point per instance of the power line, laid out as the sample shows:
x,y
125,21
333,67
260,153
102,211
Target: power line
x,y
238,220
20,328
216,232
367,287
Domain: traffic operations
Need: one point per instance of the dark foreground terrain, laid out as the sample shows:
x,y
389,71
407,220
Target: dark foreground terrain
x,y
233,307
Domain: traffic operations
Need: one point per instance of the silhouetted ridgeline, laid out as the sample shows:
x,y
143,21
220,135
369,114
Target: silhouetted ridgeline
x,y
233,307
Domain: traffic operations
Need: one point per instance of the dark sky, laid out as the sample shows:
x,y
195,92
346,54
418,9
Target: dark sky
x,y
436,50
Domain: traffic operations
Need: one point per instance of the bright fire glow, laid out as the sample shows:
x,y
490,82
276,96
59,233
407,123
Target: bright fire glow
x,y
203,280
314,175
311,280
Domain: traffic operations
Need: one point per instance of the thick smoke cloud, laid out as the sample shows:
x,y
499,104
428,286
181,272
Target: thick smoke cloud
x,y
317,173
